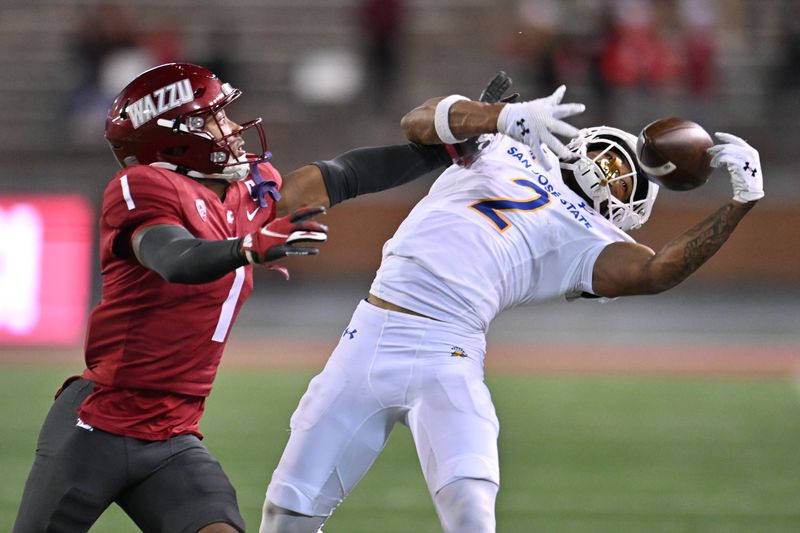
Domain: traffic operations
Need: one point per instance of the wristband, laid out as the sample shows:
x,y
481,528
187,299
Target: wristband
x,y
441,119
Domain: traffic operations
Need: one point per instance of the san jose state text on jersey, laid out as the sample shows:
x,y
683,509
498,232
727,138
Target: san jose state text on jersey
x,y
574,210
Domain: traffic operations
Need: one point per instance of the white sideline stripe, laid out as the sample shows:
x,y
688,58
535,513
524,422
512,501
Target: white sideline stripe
x,y
126,193
226,314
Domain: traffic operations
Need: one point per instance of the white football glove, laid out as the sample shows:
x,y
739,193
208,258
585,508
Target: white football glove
x,y
535,122
743,165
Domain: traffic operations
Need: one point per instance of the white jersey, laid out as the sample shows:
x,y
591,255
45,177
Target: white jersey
x,y
501,233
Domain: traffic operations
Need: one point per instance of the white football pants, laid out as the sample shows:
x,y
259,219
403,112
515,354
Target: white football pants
x,y
389,367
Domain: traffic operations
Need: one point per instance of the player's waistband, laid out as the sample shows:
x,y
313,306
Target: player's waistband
x,y
389,306
435,335
381,317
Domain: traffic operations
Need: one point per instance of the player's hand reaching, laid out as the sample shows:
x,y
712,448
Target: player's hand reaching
x,y
279,238
536,121
743,164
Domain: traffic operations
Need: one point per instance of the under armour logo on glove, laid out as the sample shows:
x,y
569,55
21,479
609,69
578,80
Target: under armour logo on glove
x,y
523,130
350,333
539,121
742,162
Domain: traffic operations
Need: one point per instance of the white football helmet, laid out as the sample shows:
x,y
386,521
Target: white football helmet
x,y
595,174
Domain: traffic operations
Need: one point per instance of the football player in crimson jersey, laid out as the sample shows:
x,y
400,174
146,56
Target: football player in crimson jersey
x,y
514,225
182,224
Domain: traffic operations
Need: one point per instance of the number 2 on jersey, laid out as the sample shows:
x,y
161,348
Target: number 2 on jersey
x,y
492,207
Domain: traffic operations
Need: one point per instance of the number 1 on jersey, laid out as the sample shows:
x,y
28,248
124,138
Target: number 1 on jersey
x,y
492,207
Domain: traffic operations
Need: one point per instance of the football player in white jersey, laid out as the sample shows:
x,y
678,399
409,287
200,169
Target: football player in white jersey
x,y
510,225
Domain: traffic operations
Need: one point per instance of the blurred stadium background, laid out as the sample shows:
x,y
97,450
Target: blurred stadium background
x,y
671,413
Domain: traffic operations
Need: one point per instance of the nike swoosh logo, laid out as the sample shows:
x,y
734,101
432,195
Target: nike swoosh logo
x,y
251,216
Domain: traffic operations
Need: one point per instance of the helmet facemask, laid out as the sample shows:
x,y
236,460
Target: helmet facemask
x,y
224,151
595,174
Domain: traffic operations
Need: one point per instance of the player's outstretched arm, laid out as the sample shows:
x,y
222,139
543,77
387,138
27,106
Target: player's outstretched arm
x,y
366,170
357,172
180,257
467,118
624,269
454,118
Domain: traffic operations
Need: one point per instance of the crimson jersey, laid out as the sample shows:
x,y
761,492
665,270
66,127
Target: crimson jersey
x,y
153,347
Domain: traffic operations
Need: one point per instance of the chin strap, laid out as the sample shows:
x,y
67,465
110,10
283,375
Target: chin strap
x,y
180,169
263,187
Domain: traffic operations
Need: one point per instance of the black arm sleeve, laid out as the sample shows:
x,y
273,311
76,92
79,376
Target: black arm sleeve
x,y
179,257
366,170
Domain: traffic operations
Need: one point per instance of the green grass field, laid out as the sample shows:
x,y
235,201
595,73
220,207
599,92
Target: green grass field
x,y
578,454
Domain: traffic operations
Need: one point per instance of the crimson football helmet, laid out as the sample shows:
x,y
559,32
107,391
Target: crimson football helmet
x,y
595,174
159,119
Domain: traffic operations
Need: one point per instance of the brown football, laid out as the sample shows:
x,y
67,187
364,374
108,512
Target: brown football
x,y
672,151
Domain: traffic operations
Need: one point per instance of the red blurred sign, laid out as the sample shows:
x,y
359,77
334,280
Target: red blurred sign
x,y
45,269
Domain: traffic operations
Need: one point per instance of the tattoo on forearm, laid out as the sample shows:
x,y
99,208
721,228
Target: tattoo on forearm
x,y
702,241
713,233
